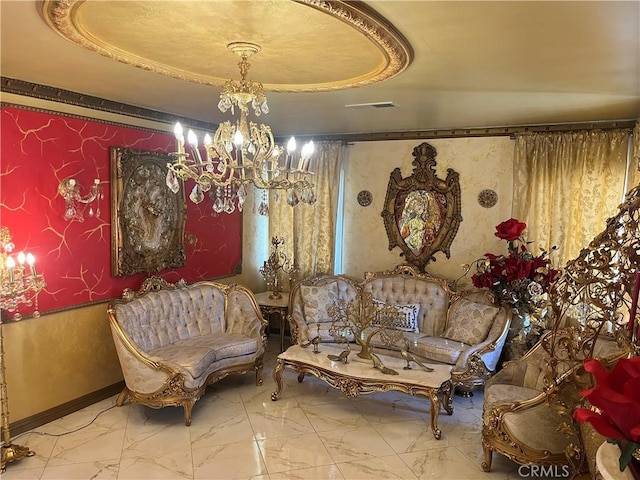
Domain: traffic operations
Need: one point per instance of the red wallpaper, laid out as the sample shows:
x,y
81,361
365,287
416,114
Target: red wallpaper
x,y
38,150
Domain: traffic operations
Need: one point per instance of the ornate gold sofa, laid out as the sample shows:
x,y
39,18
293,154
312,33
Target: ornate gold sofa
x,y
173,340
443,321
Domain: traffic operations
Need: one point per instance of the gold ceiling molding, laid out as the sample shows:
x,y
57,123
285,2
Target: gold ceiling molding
x,y
322,46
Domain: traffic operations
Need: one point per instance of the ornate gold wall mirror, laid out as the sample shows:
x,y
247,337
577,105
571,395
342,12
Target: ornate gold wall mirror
x,y
147,219
422,213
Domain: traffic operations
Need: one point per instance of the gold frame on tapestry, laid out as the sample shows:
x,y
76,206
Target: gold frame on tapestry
x,y
147,219
422,213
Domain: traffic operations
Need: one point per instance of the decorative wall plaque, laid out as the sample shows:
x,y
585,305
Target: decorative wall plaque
x,y
365,198
147,219
487,198
422,212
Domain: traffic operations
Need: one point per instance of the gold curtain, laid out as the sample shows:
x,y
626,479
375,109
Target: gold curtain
x,y
566,185
309,230
634,168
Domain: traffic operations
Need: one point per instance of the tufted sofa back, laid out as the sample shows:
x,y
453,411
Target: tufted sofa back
x,y
430,293
158,318
346,289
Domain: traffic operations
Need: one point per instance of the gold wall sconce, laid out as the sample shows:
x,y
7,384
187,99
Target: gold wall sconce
x,y
75,203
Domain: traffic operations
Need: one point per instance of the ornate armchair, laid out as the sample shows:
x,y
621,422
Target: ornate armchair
x,y
528,406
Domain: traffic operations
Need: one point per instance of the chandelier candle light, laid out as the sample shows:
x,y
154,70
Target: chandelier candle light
x,y
241,153
20,284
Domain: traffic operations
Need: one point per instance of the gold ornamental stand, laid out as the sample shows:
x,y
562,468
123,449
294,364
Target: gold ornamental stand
x,y
19,285
10,451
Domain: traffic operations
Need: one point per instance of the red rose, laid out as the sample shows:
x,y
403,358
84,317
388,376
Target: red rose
x,y
510,230
617,396
484,280
516,267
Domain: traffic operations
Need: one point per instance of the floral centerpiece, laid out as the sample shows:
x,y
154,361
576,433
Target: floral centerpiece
x,y
518,279
616,397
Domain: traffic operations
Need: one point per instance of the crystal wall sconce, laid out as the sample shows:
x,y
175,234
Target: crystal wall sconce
x,y
75,203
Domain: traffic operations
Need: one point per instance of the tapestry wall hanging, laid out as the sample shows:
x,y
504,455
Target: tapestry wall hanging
x,y
147,218
422,213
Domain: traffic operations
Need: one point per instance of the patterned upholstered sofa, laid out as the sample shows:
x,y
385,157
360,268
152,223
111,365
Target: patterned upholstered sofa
x,y
465,331
173,340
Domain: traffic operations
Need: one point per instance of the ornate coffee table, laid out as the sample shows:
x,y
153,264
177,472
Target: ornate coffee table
x,y
359,377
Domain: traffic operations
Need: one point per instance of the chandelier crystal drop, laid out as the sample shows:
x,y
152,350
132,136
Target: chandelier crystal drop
x,y
241,152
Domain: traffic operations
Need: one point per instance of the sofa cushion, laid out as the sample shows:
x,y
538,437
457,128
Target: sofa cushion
x,y
438,349
537,427
197,353
316,300
469,322
407,319
500,394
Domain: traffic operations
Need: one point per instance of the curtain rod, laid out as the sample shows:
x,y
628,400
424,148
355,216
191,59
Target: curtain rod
x,y
472,132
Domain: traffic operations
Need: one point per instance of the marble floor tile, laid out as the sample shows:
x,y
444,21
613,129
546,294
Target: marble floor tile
x,y
15,473
382,468
327,472
229,461
294,452
82,471
349,443
280,422
410,435
330,416
93,444
382,408
443,462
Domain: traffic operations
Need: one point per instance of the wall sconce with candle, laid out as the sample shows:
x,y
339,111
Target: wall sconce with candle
x,y
75,203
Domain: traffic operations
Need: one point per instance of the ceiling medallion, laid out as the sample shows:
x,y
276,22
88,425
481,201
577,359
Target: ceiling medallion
x,y
383,52
487,198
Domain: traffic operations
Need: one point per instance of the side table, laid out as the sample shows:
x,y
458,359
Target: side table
x,y
279,306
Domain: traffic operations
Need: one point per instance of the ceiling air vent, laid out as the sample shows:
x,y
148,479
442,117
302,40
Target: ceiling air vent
x,y
360,106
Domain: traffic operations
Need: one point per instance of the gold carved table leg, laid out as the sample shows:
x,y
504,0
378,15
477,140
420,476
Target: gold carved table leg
x,y
446,390
277,377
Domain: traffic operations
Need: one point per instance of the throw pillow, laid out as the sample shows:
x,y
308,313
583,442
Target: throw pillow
x,y
316,300
469,322
407,319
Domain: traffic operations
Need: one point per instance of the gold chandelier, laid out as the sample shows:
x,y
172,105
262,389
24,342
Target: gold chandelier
x,y
242,152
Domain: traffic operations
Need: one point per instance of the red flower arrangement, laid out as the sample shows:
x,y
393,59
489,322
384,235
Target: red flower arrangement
x,y
617,398
519,279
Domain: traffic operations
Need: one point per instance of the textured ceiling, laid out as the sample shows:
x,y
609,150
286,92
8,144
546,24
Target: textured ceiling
x,y
469,64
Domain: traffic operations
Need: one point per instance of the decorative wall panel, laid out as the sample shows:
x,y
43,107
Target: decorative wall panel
x,y
38,150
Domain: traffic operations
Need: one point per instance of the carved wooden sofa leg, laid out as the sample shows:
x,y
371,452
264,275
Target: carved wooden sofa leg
x,y
122,397
488,455
259,367
188,406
